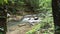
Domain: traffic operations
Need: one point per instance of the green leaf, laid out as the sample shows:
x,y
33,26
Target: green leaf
x,y
6,1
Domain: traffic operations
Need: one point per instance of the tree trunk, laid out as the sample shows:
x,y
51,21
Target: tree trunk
x,y
56,15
